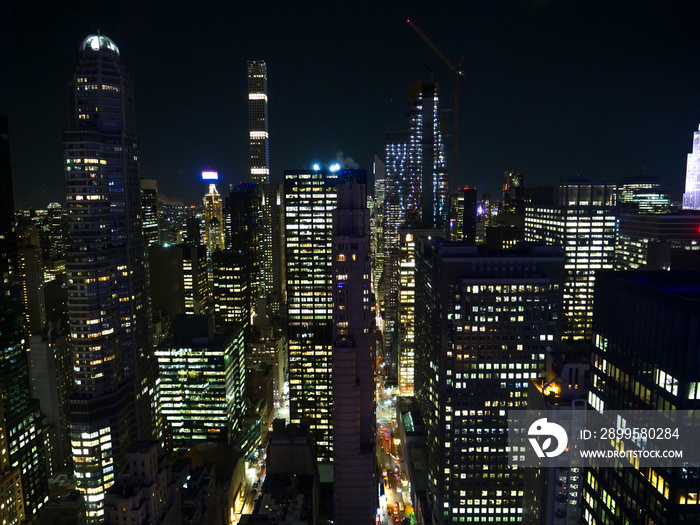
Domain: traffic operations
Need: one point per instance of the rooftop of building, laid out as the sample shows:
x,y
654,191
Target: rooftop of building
x,y
98,42
678,285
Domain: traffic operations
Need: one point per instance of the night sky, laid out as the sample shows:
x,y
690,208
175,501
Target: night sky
x,y
552,88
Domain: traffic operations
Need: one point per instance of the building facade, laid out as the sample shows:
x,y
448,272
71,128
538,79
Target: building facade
x,y
354,418
202,382
310,197
691,197
149,212
581,217
638,317
483,325
106,269
257,122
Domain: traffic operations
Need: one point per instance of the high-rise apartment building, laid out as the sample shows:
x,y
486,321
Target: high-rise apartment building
x,y
310,198
483,325
106,270
21,426
149,211
691,197
202,381
645,357
354,421
257,122
581,217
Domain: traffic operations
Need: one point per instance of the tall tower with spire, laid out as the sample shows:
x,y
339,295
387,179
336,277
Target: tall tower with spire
x,y
106,273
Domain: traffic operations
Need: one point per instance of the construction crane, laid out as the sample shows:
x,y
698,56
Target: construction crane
x,y
458,73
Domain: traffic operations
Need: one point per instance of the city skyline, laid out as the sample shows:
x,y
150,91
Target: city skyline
x,y
551,89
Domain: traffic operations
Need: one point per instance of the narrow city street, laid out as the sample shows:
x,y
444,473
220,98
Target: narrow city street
x,y
394,503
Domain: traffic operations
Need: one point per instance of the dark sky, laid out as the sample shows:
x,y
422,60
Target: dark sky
x,y
552,88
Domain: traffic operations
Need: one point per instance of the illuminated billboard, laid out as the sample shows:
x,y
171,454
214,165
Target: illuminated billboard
x,y
210,175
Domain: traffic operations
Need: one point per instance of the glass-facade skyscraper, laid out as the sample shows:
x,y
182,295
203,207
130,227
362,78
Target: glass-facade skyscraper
x,y
106,273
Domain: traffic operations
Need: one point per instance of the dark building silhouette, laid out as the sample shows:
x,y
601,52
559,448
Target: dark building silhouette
x,y
646,335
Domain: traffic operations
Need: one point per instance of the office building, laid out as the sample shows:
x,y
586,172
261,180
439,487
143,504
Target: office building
x,y
691,197
310,197
483,325
202,381
231,293
581,217
149,212
354,419
644,358
257,122
113,367
644,195
179,280
668,241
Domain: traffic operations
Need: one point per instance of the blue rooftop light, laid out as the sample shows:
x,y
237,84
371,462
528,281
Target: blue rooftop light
x,y
335,167
316,166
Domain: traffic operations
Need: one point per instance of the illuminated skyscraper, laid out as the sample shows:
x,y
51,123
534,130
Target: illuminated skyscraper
x,y
581,217
354,421
691,197
425,188
149,208
483,324
310,197
257,122
397,148
644,195
213,221
106,270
